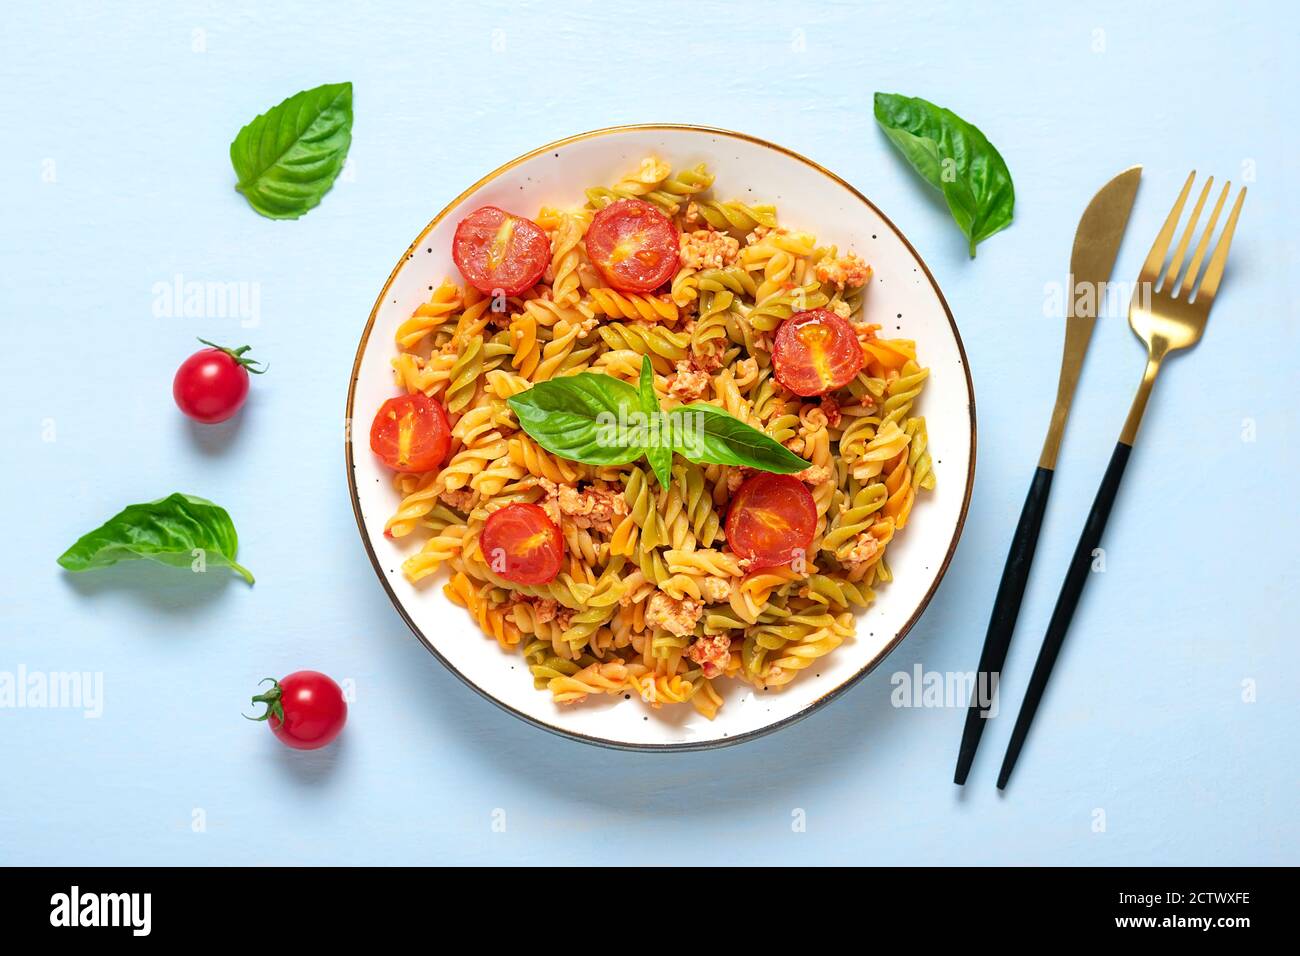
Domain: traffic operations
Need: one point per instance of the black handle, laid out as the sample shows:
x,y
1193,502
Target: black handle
x,y
1075,578
1006,608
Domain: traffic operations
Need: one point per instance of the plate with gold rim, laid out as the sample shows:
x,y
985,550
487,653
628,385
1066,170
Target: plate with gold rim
x,y
902,297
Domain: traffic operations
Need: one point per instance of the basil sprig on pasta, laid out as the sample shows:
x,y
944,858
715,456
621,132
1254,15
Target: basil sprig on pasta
x,y
288,157
954,157
659,454
601,420
179,530
711,436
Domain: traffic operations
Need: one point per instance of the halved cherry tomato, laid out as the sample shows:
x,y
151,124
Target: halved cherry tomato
x,y
816,352
498,252
633,245
411,433
772,520
521,543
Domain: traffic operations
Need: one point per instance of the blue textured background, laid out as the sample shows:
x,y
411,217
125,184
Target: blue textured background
x,y
130,111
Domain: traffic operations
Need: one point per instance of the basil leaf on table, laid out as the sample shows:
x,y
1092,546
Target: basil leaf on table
x,y
657,453
580,417
168,531
706,434
955,158
288,157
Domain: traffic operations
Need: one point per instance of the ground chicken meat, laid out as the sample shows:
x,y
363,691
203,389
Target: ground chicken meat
x,y
712,654
544,609
831,409
689,384
594,508
814,474
864,550
675,617
707,361
845,270
692,215
842,309
736,477
706,249
460,499
715,590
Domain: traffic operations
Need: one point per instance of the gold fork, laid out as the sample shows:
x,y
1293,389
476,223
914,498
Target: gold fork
x,y
1167,317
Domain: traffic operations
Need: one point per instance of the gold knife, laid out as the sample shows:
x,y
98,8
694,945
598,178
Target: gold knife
x,y
1096,244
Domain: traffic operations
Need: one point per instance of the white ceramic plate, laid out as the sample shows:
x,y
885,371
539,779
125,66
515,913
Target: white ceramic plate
x,y
902,296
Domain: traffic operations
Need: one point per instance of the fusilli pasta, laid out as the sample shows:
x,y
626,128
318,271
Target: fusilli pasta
x,y
651,600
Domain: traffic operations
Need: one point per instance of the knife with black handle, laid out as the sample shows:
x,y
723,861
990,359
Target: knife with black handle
x,y
1096,244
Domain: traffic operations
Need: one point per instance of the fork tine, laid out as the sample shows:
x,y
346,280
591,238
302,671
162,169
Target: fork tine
x,y
1176,262
1156,257
1214,271
1189,277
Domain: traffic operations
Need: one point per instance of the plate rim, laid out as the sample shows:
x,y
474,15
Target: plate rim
x,y
684,746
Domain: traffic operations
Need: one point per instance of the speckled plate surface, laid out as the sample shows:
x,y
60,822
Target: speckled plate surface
x,y
903,297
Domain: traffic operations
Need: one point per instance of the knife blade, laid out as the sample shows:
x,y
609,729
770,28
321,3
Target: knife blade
x,y
1096,245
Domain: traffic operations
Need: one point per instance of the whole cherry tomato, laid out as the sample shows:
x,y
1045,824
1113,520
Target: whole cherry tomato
x,y
305,710
212,384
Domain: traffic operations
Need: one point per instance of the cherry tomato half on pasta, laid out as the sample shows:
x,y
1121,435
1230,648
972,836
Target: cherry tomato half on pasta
x,y
411,433
305,710
497,252
634,245
816,352
211,384
772,520
522,544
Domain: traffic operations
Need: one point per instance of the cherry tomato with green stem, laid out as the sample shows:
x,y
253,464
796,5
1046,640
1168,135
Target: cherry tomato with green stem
x,y
305,710
212,384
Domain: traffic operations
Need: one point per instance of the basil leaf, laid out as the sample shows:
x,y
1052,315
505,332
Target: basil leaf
x,y
585,417
169,531
706,434
601,420
658,453
955,158
288,157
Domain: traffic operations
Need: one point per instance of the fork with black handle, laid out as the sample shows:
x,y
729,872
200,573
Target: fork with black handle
x,y
1096,243
1167,317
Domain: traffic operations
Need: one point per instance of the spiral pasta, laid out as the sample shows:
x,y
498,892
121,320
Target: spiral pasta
x,y
651,602
631,305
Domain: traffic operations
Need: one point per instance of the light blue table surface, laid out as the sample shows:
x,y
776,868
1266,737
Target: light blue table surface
x,y
1169,732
